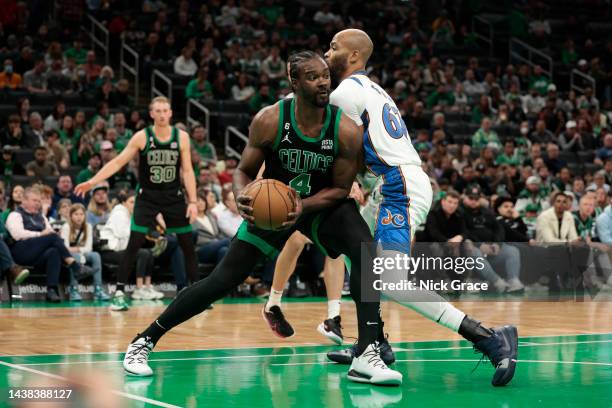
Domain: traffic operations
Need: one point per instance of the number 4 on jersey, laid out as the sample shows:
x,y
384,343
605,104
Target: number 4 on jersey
x,y
301,184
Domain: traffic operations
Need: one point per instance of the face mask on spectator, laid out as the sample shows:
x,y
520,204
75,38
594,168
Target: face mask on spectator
x,y
8,69
524,130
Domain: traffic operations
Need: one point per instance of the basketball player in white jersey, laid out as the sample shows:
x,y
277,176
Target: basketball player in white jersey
x,y
406,195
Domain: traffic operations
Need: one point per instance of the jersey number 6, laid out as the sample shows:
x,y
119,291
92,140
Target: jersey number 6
x,y
394,124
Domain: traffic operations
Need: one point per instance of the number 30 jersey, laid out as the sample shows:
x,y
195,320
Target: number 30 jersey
x,y
302,162
385,140
160,163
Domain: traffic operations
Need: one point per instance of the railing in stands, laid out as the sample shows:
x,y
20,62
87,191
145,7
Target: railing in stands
x,y
98,34
525,53
124,65
157,75
483,30
197,110
229,150
585,79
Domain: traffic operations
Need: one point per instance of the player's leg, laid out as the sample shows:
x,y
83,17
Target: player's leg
x,y
135,243
333,276
284,268
174,214
341,230
240,260
500,344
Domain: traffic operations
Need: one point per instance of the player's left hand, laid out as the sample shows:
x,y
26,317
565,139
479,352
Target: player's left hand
x,y
292,217
192,212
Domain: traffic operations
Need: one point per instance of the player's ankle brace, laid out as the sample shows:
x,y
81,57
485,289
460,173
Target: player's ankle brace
x,y
471,330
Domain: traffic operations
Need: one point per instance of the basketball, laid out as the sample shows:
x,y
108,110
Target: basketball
x,y
272,202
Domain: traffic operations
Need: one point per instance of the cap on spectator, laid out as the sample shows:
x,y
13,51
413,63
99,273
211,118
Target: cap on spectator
x,y
533,180
101,186
570,124
531,208
450,61
473,191
9,148
552,88
582,62
421,147
106,145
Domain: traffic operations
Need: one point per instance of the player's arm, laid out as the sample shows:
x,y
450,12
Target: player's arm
x,y
344,170
136,143
262,133
188,176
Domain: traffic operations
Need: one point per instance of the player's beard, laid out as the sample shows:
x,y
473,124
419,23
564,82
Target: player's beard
x,y
337,67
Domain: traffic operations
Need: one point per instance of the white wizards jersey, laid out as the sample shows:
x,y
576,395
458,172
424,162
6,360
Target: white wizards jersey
x,y
386,141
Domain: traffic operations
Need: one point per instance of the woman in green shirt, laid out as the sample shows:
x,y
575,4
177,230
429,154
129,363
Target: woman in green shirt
x,y
199,87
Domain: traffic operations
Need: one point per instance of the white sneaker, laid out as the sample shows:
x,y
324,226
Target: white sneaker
x,y
369,368
118,302
515,285
136,358
155,293
142,294
500,286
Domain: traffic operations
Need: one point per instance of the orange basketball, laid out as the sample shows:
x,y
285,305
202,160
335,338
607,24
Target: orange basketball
x,y
272,202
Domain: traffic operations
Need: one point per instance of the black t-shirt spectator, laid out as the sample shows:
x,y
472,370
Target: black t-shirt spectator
x,y
482,226
514,229
440,228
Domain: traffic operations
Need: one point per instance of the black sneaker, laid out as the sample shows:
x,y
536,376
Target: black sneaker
x,y
346,356
502,349
53,296
277,322
331,329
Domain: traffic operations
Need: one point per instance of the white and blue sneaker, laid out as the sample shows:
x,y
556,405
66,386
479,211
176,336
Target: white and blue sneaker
x,y
370,368
136,358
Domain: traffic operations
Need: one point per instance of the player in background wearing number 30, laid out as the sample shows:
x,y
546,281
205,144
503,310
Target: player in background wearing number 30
x,y
164,154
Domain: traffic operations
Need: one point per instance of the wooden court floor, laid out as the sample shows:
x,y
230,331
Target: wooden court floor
x,y
228,356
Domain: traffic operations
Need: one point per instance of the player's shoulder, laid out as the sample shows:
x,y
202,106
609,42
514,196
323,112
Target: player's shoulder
x,y
139,138
347,127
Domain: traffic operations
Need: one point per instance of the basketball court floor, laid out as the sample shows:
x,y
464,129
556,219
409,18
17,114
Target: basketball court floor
x,y
228,357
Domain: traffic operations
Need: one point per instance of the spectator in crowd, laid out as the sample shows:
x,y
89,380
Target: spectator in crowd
x,y
571,139
35,132
55,120
229,218
91,68
93,165
16,273
599,181
78,238
533,193
23,110
205,149
35,80
124,134
57,81
8,77
64,189
57,151
14,201
41,166
605,152
604,224
485,136
274,66
556,224
9,165
77,52
444,222
539,80
541,135
472,87
552,161
211,244
184,64
37,243
13,134
62,213
99,207
199,87
243,91
115,235
487,236
533,103
515,229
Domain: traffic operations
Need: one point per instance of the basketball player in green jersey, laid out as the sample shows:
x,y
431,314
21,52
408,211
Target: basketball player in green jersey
x,y
314,148
164,154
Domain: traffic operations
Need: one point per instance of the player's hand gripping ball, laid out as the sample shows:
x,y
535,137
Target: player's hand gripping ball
x,y
273,205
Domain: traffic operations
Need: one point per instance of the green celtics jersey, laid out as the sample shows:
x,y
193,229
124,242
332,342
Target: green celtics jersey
x,y
160,163
304,163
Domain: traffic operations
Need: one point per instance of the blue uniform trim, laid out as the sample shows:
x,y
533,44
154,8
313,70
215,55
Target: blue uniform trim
x,y
393,229
357,80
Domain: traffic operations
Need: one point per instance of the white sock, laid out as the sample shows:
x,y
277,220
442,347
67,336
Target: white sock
x,y
333,308
274,299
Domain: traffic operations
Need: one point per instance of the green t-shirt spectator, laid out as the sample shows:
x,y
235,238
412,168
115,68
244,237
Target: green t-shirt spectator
x,y
193,91
482,139
259,101
569,57
206,150
80,55
440,98
84,175
123,140
271,13
505,159
540,83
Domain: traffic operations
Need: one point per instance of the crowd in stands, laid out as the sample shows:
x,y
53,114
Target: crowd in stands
x,y
503,143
